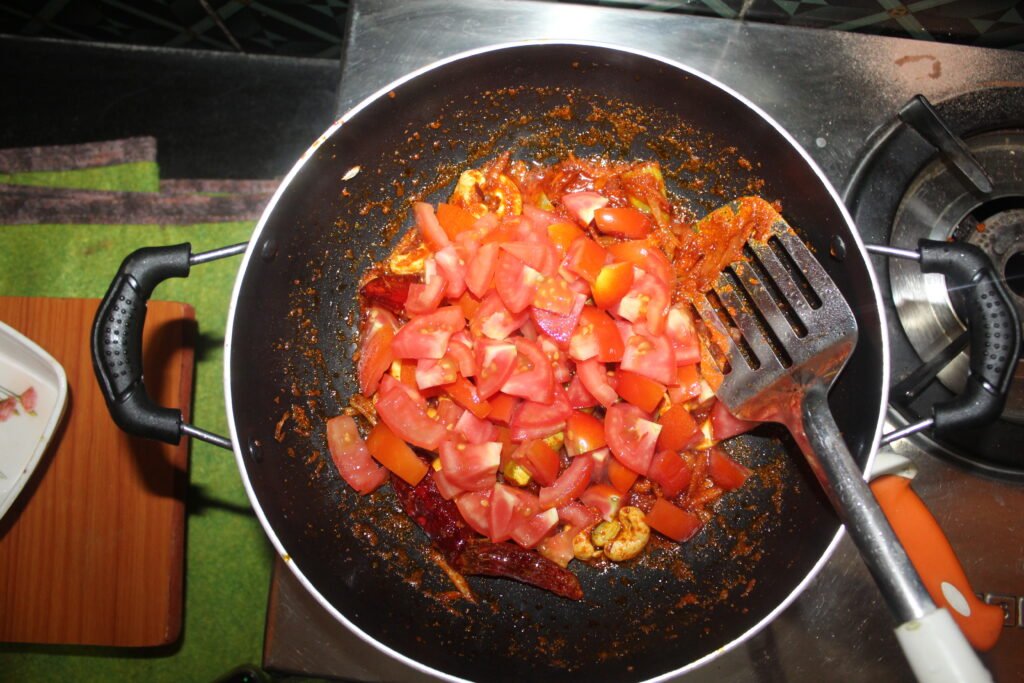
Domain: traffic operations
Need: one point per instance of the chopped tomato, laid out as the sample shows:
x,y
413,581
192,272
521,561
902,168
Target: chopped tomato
x,y
620,476
427,336
641,391
434,373
570,484
560,327
448,490
612,283
724,424
464,393
585,258
561,367
562,235
433,234
480,272
351,457
530,531
724,471
448,411
578,395
495,361
650,356
688,384
375,355
426,296
631,436
604,498
515,282
540,460
624,222
554,295
578,515
475,429
503,407
408,419
471,467
475,508
596,337
494,321
583,433
670,471
594,376
674,522
462,354
452,265
646,256
395,454
535,420
558,548
646,302
454,219
681,332
678,428
582,205
531,376
508,508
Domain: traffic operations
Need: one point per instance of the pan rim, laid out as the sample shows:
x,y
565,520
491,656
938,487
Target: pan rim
x,y
383,92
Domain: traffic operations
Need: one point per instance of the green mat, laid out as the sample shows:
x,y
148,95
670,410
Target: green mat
x,y
138,176
228,559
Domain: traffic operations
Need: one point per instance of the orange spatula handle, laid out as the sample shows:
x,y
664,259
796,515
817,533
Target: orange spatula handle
x,y
933,557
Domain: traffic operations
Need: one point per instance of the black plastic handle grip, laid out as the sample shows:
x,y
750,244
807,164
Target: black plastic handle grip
x,y
994,330
117,341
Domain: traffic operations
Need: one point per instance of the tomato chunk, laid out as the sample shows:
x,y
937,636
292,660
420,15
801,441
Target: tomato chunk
x,y
560,327
612,283
650,356
395,454
674,522
725,425
582,205
641,391
596,336
623,222
494,321
631,436
585,258
541,461
594,377
532,376
570,484
351,457
433,234
726,472
670,471
535,420
427,336
408,419
678,428
496,361
375,354
646,256
471,467
583,433
604,498
475,508
515,282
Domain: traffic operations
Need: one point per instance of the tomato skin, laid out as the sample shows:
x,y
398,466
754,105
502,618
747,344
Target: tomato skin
x,y
650,356
462,355
594,377
395,454
645,302
454,219
646,256
434,373
680,330
475,508
583,433
643,392
631,436
494,321
578,395
474,429
471,467
673,522
688,384
585,258
540,460
351,457
532,530
596,336
496,361
620,476
623,222
669,470
535,420
678,428
532,377
433,234
569,485
503,407
726,472
515,282
604,498
375,354
562,235
480,272
464,393
408,419
612,283
725,425
427,336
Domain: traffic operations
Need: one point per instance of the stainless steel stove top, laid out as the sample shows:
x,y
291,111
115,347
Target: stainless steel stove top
x,y
834,92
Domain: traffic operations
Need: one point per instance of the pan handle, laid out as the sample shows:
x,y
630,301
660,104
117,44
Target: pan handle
x,y
994,330
117,342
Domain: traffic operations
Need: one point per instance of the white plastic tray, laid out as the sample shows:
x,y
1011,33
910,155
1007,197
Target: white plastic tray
x,y
24,437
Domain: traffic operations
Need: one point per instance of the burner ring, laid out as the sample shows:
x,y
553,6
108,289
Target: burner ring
x,y
940,205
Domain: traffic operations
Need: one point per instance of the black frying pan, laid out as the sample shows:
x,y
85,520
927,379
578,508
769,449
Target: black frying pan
x,y
292,330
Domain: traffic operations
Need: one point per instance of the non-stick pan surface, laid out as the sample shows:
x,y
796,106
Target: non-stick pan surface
x,y
292,334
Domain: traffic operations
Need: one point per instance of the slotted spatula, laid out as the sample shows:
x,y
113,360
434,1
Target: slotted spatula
x,y
784,331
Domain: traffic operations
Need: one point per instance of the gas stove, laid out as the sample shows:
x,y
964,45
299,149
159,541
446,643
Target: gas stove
x,y
840,95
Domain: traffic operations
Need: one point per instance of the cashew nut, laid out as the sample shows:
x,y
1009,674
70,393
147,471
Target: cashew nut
x,y
629,542
583,548
604,532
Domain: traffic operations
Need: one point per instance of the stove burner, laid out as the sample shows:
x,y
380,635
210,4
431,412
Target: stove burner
x,y
938,205
903,189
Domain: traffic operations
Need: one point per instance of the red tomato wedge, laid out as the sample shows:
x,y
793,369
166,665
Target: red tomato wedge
x,y
452,265
646,301
434,373
596,337
681,332
594,377
620,476
624,222
578,395
351,457
454,219
578,515
650,356
671,521
408,419
475,508
540,460
471,467
726,472
375,354
558,548
426,296
480,271
494,321
395,454
503,407
474,429
582,205
570,484
433,234
585,258
612,283
631,436
515,282
669,470
559,327
562,235
496,361
724,424
604,498
532,530
509,506
427,336
583,433
464,393
535,420
678,428
531,376
553,295
643,392
647,257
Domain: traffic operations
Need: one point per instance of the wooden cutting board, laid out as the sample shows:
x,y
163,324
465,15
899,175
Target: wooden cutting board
x,y
92,551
